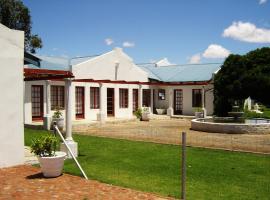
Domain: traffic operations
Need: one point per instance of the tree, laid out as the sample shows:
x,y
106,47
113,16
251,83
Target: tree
x,y
241,77
15,15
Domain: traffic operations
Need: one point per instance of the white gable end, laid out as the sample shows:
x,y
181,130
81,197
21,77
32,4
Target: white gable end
x,y
114,65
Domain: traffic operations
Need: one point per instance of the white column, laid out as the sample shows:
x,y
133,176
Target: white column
x,y
47,119
203,102
71,143
140,96
170,96
101,116
151,101
68,109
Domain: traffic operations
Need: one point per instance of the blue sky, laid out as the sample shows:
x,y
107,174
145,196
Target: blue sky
x,y
184,31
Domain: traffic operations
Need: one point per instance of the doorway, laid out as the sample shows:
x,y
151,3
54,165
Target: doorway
x,y
178,102
110,101
37,102
79,102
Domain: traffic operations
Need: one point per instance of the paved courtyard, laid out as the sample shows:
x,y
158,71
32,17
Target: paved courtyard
x,y
26,182
169,131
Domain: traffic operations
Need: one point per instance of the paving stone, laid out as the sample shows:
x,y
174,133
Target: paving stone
x,y
26,182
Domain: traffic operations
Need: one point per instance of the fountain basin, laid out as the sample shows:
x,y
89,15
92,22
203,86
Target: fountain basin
x,y
229,125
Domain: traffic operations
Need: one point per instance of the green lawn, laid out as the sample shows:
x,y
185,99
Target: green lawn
x,y
211,174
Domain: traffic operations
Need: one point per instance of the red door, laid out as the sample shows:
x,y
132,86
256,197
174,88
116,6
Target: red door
x,y
110,101
135,99
178,102
80,102
37,102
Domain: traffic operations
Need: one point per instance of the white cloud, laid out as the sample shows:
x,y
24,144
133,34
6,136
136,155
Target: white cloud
x,y
195,59
108,41
215,51
247,32
262,1
128,44
163,62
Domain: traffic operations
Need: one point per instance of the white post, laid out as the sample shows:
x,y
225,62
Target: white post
x,y
101,116
170,96
203,102
152,101
68,110
140,96
47,118
69,140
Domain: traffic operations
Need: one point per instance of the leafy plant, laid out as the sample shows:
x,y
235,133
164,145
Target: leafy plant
x,y
57,114
44,146
138,113
197,109
145,110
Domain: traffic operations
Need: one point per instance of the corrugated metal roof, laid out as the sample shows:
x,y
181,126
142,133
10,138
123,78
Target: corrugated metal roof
x,y
59,63
181,73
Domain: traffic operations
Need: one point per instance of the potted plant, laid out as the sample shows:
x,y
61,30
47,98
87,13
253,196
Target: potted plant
x,y
198,112
160,111
145,114
51,161
58,119
138,113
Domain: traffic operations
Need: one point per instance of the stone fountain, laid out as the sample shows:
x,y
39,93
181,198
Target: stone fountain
x,y
236,113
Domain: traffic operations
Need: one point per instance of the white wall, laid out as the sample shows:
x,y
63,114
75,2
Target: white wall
x,y
103,68
11,101
187,98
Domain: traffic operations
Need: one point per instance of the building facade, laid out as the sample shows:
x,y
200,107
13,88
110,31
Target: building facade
x,y
112,85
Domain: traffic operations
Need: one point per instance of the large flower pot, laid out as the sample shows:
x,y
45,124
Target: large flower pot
x,y
145,116
199,115
52,166
59,122
160,111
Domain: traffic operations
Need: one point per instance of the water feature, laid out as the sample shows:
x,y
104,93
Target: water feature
x,y
235,124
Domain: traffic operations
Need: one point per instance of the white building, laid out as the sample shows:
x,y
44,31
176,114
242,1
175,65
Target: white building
x,y
11,101
112,85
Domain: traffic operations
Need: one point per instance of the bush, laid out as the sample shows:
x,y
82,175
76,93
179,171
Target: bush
x,y
138,113
252,114
44,146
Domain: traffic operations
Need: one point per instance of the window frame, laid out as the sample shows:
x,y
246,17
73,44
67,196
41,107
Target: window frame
x,y
123,97
196,101
146,98
94,98
57,97
161,94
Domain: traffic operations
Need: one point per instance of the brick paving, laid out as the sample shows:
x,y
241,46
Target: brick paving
x,y
26,182
168,131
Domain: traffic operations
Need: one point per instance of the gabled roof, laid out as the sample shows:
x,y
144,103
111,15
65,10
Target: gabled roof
x,y
181,73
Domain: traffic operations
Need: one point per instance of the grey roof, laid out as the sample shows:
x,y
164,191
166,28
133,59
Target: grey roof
x,y
181,73
59,63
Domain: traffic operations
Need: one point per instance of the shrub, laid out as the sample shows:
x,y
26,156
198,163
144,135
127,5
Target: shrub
x,y
44,146
138,113
57,114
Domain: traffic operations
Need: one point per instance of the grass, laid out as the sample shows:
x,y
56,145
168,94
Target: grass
x,y
211,174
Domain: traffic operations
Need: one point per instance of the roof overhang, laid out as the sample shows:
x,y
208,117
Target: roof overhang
x,y
31,59
46,74
144,83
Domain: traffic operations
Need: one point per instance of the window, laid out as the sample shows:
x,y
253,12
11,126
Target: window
x,y
196,98
161,94
123,98
94,97
146,97
57,97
